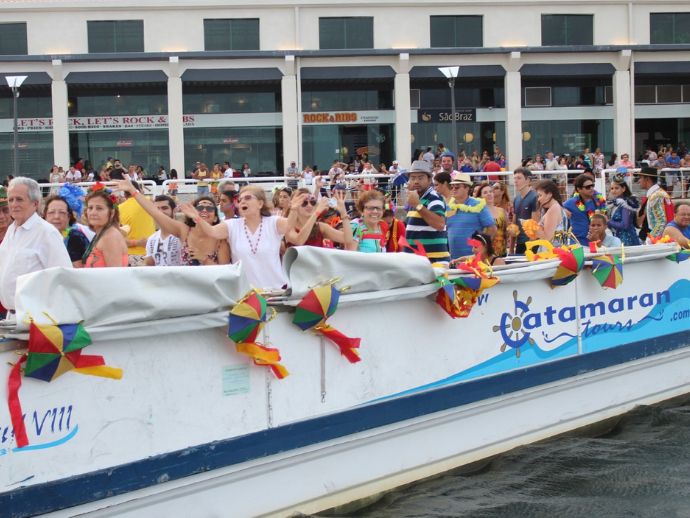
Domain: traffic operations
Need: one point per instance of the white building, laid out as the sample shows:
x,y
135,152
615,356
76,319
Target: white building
x,y
179,81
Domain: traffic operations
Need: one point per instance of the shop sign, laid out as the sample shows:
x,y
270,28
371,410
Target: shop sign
x,y
125,142
230,140
357,117
461,115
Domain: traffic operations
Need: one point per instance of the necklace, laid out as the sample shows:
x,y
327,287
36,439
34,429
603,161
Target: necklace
x,y
253,247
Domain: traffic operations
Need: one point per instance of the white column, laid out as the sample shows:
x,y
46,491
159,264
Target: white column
x,y
175,126
403,119
623,121
513,101
288,92
60,118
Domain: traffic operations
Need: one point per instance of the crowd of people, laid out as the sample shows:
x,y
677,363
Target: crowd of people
x,y
444,214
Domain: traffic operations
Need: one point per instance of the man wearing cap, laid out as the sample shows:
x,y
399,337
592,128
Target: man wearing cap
x,y
426,219
5,219
658,206
465,216
31,243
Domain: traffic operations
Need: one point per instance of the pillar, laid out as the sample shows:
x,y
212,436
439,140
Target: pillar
x,y
175,125
513,101
288,92
60,116
623,116
403,120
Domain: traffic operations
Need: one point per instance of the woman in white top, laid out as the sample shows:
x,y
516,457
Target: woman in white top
x,y
255,236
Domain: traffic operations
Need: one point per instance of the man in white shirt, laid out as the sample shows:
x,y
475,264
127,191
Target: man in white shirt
x,y
227,170
73,175
551,162
293,175
31,244
163,249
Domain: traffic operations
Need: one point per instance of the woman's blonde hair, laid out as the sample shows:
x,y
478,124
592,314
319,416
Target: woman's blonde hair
x,y
260,195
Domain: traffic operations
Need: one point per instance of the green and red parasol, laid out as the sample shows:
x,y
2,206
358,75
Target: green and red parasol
x,y
608,270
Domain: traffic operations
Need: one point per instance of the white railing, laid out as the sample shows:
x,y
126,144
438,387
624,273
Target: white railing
x,y
52,188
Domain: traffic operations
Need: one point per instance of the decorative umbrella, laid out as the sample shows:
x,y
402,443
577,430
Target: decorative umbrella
x,y
608,270
53,350
315,308
468,290
446,297
245,321
681,255
572,261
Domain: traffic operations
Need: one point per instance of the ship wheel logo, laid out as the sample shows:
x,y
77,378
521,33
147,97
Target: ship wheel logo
x,y
511,326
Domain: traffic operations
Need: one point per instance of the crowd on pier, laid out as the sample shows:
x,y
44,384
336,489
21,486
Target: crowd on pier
x,y
431,208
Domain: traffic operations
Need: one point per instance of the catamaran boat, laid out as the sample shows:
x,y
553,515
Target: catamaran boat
x,y
322,397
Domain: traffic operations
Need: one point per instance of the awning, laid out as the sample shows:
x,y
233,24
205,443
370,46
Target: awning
x,y
468,71
32,79
568,70
346,73
231,75
661,68
117,77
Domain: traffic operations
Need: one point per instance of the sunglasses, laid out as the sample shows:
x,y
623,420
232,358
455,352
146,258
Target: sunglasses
x,y
205,208
311,202
588,186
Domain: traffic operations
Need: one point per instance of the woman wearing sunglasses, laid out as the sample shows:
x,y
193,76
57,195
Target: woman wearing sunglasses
x,y
254,237
198,249
311,232
582,206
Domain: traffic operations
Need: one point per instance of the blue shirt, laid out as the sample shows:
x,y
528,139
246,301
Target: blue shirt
x,y
462,225
684,231
579,220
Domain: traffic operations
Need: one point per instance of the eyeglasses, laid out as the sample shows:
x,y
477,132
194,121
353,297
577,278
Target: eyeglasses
x,y
311,202
57,213
588,186
374,209
246,197
205,208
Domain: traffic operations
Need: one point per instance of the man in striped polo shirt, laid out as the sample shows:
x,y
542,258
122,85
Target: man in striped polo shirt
x,y
426,219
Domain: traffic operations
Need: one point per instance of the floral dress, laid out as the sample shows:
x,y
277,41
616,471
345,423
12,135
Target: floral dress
x,y
622,222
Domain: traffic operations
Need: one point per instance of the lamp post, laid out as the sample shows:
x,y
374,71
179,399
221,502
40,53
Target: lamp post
x,y
14,82
451,73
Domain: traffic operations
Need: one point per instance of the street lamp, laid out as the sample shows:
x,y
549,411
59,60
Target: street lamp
x,y
451,73
14,83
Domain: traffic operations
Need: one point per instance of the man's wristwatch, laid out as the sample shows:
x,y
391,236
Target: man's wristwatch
x,y
419,207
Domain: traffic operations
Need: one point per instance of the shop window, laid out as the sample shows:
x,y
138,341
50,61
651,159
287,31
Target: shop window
x,y
456,31
415,98
231,34
669,94
13,38
686,93
567,29
537,96
608,95
669,28
346,33
116,36
645,94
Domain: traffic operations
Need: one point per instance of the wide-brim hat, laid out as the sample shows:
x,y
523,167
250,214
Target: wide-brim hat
x,y
650,172
461,179
3,197
420,166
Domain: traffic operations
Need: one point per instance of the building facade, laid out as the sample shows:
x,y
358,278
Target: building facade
x,y
173,83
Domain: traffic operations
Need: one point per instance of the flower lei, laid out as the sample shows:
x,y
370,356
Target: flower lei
x,y
462,207
98,186
599,204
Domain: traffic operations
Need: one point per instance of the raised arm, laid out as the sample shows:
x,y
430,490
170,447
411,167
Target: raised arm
x,y
299,238
219,231
285,225
166,223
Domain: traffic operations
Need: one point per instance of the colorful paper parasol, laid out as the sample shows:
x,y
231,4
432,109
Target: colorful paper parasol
x,y
608,270
468,290
315,308
53,350
682,255
446,297
572,261
245,321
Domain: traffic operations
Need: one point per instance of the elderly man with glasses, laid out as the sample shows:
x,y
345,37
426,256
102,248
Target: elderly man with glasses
x,y
585,203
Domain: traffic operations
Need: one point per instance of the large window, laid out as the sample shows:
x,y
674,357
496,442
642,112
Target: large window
x,y
231,34
456,31
228,99
116,36
346,33
567,29
343,100
13,38
669,27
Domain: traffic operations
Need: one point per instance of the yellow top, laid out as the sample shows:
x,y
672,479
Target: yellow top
x,y
140,223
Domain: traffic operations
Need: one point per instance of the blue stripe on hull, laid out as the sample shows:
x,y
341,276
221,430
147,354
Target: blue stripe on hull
x,y
81,489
